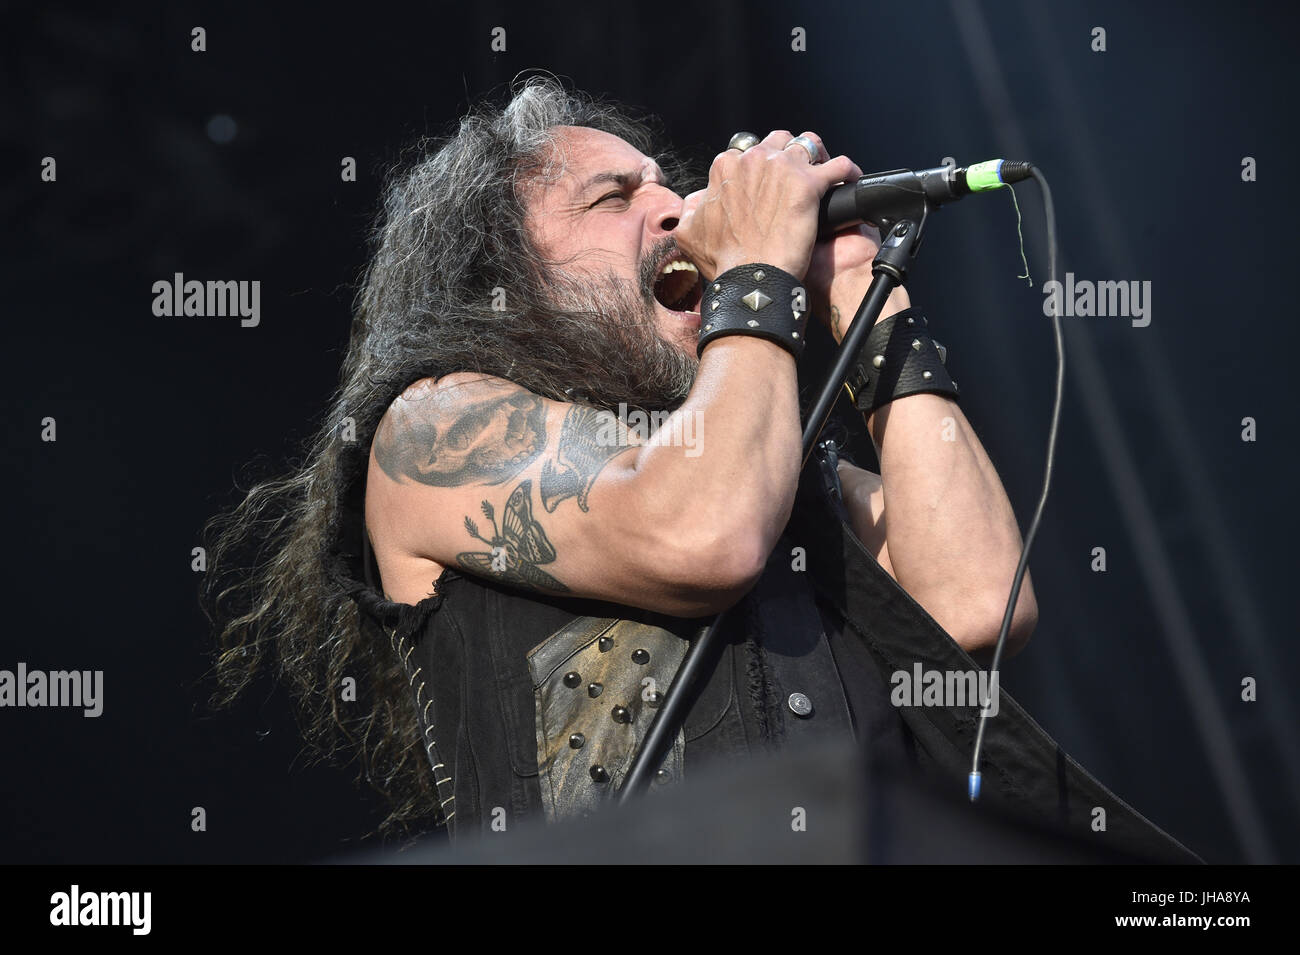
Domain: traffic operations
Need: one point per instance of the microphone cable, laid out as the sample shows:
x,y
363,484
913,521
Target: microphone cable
x,y
973,786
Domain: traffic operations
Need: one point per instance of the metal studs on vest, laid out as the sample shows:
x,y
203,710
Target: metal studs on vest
x,y
800,705
572,679
585,740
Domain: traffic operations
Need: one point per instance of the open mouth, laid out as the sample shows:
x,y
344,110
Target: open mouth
x,y
678,286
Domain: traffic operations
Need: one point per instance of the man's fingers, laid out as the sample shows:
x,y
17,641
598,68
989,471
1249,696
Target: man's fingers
x,y
839,169
822,154
777,139
769,213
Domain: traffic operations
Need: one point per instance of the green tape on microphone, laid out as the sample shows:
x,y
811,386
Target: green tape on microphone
x,y
984,176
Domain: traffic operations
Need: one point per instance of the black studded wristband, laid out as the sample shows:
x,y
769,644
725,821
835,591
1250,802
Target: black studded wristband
x,y
899,359
755,299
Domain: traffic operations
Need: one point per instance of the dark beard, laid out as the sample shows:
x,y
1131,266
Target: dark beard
x,y
608,331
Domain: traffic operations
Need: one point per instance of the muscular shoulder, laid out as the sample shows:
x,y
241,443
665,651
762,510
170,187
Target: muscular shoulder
x,y
461,429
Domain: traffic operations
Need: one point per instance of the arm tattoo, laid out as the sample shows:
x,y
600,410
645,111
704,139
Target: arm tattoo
x,y
452,441
589,438
835,323
516,547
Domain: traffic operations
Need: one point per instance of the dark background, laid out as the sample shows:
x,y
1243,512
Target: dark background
x,y
1136,671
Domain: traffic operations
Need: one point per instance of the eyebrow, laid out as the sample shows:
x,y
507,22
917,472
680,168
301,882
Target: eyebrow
x,y
624,179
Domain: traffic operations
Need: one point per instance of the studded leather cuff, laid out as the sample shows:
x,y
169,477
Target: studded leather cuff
x,y
755,299
899,359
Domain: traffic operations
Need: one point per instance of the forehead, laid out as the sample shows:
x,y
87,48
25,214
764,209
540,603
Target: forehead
x,y
579,153
581,149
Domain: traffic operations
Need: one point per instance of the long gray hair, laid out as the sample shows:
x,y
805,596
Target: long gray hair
x,y
449,245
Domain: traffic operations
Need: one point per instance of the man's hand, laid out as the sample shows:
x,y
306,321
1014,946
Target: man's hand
x,y
839,275
760,206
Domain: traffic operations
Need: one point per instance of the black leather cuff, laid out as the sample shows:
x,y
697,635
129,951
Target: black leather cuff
x,y
755,299
899,359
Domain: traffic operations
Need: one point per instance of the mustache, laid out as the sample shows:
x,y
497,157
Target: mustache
x,y
649,270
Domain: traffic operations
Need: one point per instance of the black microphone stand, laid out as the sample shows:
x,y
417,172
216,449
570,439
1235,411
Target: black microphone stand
x,y
901,238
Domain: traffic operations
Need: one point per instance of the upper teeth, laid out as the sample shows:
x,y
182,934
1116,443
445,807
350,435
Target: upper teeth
x,y
678,265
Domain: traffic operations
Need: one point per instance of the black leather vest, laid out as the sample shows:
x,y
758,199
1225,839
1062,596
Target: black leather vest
x,y
534,705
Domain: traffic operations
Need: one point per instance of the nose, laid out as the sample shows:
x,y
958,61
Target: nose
x,y
666,214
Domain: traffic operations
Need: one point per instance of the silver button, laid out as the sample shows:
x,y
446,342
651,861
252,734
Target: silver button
x,y
800,705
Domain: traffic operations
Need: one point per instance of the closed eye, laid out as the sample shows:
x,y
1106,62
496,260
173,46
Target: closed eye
x,y
611,195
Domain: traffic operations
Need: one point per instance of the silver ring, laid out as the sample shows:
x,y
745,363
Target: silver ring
x,y
814,153
743,141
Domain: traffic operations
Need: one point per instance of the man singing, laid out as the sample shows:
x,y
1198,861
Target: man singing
x,y
511,567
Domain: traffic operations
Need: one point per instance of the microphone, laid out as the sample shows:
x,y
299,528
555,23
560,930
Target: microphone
x,y
883,197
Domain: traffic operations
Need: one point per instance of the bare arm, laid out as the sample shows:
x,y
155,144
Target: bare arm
x,y
936,517
561,498
938,520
